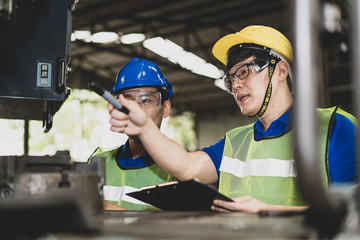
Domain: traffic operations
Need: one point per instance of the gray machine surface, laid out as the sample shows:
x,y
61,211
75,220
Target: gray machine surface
x,y
42,194
133,225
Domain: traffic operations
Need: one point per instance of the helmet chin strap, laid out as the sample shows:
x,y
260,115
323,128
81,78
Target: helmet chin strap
x,y
272,64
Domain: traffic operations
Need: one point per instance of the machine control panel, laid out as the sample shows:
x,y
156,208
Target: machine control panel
x,y
44,74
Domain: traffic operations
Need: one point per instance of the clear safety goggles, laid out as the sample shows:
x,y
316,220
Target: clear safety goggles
x,y
144,98
241,72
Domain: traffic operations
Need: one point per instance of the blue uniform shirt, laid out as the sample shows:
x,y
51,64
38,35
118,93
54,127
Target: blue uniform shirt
x,y
342,157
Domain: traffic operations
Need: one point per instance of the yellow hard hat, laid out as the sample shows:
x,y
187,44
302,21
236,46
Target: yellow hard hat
x,y
261,35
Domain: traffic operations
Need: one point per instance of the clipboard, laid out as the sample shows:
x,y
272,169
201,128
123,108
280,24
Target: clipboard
x,y
190,195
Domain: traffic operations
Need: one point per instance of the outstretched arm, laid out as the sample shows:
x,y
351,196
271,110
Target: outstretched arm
x,y
171,156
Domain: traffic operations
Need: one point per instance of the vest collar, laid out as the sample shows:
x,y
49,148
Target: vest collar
x,y
125,161
277,128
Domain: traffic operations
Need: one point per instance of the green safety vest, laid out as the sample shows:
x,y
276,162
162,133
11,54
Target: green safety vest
x,y
265,169
119,181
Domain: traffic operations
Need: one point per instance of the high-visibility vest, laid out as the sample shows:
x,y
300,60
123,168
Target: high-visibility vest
x,y
265,169
120,181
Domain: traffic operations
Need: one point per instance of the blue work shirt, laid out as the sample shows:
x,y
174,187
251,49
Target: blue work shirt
x,y
342,156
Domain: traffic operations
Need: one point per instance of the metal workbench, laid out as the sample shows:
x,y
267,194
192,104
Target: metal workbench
x,y
192,225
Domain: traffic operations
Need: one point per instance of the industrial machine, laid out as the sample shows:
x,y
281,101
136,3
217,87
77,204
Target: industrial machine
x,y
333,211
34,64
35,53
42,193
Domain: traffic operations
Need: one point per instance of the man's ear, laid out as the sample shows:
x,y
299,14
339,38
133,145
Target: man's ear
x,y
283,70
166,108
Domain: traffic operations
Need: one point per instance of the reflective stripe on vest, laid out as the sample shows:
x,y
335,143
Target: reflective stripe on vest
x,y
258,167
120,181
116,194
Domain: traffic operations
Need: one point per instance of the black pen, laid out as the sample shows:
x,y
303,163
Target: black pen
x,y
107,96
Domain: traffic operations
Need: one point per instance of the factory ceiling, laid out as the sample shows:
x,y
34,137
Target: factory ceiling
x,y
193,25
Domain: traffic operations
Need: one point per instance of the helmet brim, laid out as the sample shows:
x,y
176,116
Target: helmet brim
x,y
221,48
260,35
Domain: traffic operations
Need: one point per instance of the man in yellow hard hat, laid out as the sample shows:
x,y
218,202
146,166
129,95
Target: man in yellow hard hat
x,y
253,164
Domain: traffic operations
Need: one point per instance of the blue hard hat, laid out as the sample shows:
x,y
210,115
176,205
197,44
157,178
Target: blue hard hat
x,y
140,73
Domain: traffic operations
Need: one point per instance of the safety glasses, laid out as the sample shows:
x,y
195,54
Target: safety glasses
x,y
144,98
255,66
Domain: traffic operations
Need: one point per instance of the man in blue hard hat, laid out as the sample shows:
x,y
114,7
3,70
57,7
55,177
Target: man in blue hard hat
x,y
129,167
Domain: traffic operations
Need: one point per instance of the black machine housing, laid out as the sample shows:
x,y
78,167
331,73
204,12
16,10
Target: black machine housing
x,y
35,39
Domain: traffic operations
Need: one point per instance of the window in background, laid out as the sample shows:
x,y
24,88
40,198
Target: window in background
x,y
80,126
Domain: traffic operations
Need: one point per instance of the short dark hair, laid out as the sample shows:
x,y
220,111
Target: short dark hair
x,y
237,54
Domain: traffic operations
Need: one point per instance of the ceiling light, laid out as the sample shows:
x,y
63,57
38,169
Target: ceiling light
x,y
132,38
157,45
187,60
190,61
82,35
208,70
104,37
220,84
73,38
99,37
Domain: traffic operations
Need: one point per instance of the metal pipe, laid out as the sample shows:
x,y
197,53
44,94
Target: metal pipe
x,y
307,77
26,137
355,74
355,58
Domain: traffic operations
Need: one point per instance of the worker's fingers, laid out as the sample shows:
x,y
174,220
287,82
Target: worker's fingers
x,y
220,204
110,107
242,204
118,129
127,123
132,106
118,122
218,209
136,114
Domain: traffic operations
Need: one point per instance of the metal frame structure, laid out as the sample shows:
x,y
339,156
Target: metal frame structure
x,y
328,211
